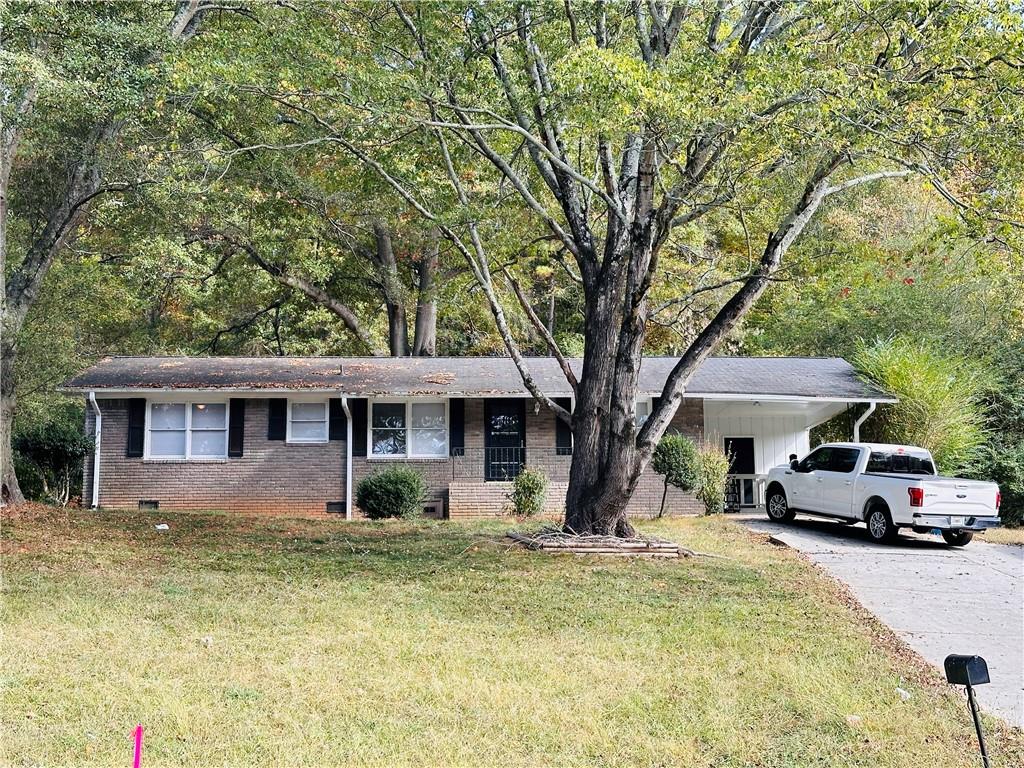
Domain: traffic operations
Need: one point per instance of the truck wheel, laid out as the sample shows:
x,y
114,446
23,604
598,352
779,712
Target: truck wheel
x,y
957,538
777,506
880,527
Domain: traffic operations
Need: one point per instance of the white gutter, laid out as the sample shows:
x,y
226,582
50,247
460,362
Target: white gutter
x,y
861,420
98,431
348,457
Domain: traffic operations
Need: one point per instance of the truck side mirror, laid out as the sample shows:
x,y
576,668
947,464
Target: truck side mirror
x,y
794,465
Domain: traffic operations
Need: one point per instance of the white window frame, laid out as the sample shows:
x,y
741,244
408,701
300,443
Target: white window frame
x,y
408,402
649,401
327,421
150,402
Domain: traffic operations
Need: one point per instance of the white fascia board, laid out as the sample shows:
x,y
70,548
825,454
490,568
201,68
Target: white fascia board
x,y
789,398
257,392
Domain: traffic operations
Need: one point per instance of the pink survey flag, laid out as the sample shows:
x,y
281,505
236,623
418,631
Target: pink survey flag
x,y
137,761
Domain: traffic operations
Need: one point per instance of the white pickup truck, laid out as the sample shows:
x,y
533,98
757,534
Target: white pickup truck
x,y
886,486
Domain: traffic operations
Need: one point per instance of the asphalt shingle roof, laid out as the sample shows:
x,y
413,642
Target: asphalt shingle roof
x,y
798,377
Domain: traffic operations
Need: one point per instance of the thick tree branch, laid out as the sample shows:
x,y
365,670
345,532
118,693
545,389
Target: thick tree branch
x,y
313,292
729,316
544,332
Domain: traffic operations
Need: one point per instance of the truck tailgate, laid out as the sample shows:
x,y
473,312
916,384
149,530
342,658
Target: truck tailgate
x,y
954,496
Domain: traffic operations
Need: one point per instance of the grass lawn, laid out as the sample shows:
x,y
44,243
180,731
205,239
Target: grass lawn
x,y
244,641
1003,536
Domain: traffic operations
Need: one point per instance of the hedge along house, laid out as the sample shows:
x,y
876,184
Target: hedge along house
x,y
294,435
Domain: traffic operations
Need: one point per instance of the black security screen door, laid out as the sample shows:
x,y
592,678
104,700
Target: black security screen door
x,y
741,451
741,491
504,438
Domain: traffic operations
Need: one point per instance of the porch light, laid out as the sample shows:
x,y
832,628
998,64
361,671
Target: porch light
x,y
970,671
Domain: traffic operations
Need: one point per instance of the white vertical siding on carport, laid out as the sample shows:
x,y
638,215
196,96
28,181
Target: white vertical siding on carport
x,y
779,428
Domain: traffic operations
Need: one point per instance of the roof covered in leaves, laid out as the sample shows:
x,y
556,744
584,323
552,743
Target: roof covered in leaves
x,y
770,377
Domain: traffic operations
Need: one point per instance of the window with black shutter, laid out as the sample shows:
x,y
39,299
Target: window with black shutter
x,y
358,408
457,426
563,433
236,427
277,418
136,427
337,422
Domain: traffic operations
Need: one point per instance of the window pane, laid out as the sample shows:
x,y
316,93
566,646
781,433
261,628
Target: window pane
x,y
167,416
309,430
209,415
844,460
309,411
167,443
818,460
389,415
643,411
389,442
210,443
429,442
427,415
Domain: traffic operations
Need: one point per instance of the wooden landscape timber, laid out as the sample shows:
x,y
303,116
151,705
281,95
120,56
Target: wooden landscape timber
x,y
551,540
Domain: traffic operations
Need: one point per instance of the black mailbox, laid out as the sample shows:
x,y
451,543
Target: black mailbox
x,y
966,670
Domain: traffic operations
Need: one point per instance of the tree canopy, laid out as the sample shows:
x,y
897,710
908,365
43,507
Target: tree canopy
x,y
604,179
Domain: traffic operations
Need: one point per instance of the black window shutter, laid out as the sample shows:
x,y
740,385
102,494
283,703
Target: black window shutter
x,y
136,427
523,402
457,426
358,408
336,421
277,418
236,426
563,434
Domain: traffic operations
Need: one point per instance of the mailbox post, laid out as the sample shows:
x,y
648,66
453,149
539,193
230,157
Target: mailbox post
x,y
970,671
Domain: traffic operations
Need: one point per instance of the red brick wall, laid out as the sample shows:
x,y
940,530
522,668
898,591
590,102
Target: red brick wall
x,y
271,477
275,477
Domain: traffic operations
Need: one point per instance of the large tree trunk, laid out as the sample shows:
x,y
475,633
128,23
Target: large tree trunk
x,y
9,487
393,291
603,473
425,335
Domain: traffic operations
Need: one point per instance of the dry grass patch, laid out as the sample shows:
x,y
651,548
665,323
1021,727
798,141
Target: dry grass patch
x,y
244,641
1003,536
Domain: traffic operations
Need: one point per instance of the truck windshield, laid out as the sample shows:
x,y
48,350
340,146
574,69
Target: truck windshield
x,y
900,463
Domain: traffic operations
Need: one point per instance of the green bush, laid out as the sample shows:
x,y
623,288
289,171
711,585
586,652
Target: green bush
x,y
394,492
48,459
713,476
941,401
529,490
1004,464
1003,461
677,459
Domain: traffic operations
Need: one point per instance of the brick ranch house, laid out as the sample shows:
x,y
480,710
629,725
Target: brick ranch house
x,y
294,435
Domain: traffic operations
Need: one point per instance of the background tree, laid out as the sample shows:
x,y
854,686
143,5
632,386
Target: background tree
x,y
76,82
618,128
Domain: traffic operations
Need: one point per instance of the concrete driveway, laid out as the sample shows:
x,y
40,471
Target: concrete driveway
x,y
939,599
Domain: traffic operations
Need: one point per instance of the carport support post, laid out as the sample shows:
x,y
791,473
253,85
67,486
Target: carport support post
x,y
348,457
977,724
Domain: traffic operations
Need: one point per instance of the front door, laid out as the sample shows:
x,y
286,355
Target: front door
x,y
740,451
504,438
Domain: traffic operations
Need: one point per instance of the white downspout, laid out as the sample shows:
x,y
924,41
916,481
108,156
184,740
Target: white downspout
x,y
98,431
348,457
861,420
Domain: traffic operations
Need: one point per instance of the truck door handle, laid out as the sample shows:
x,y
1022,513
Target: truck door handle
x,y
849,482
821,479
